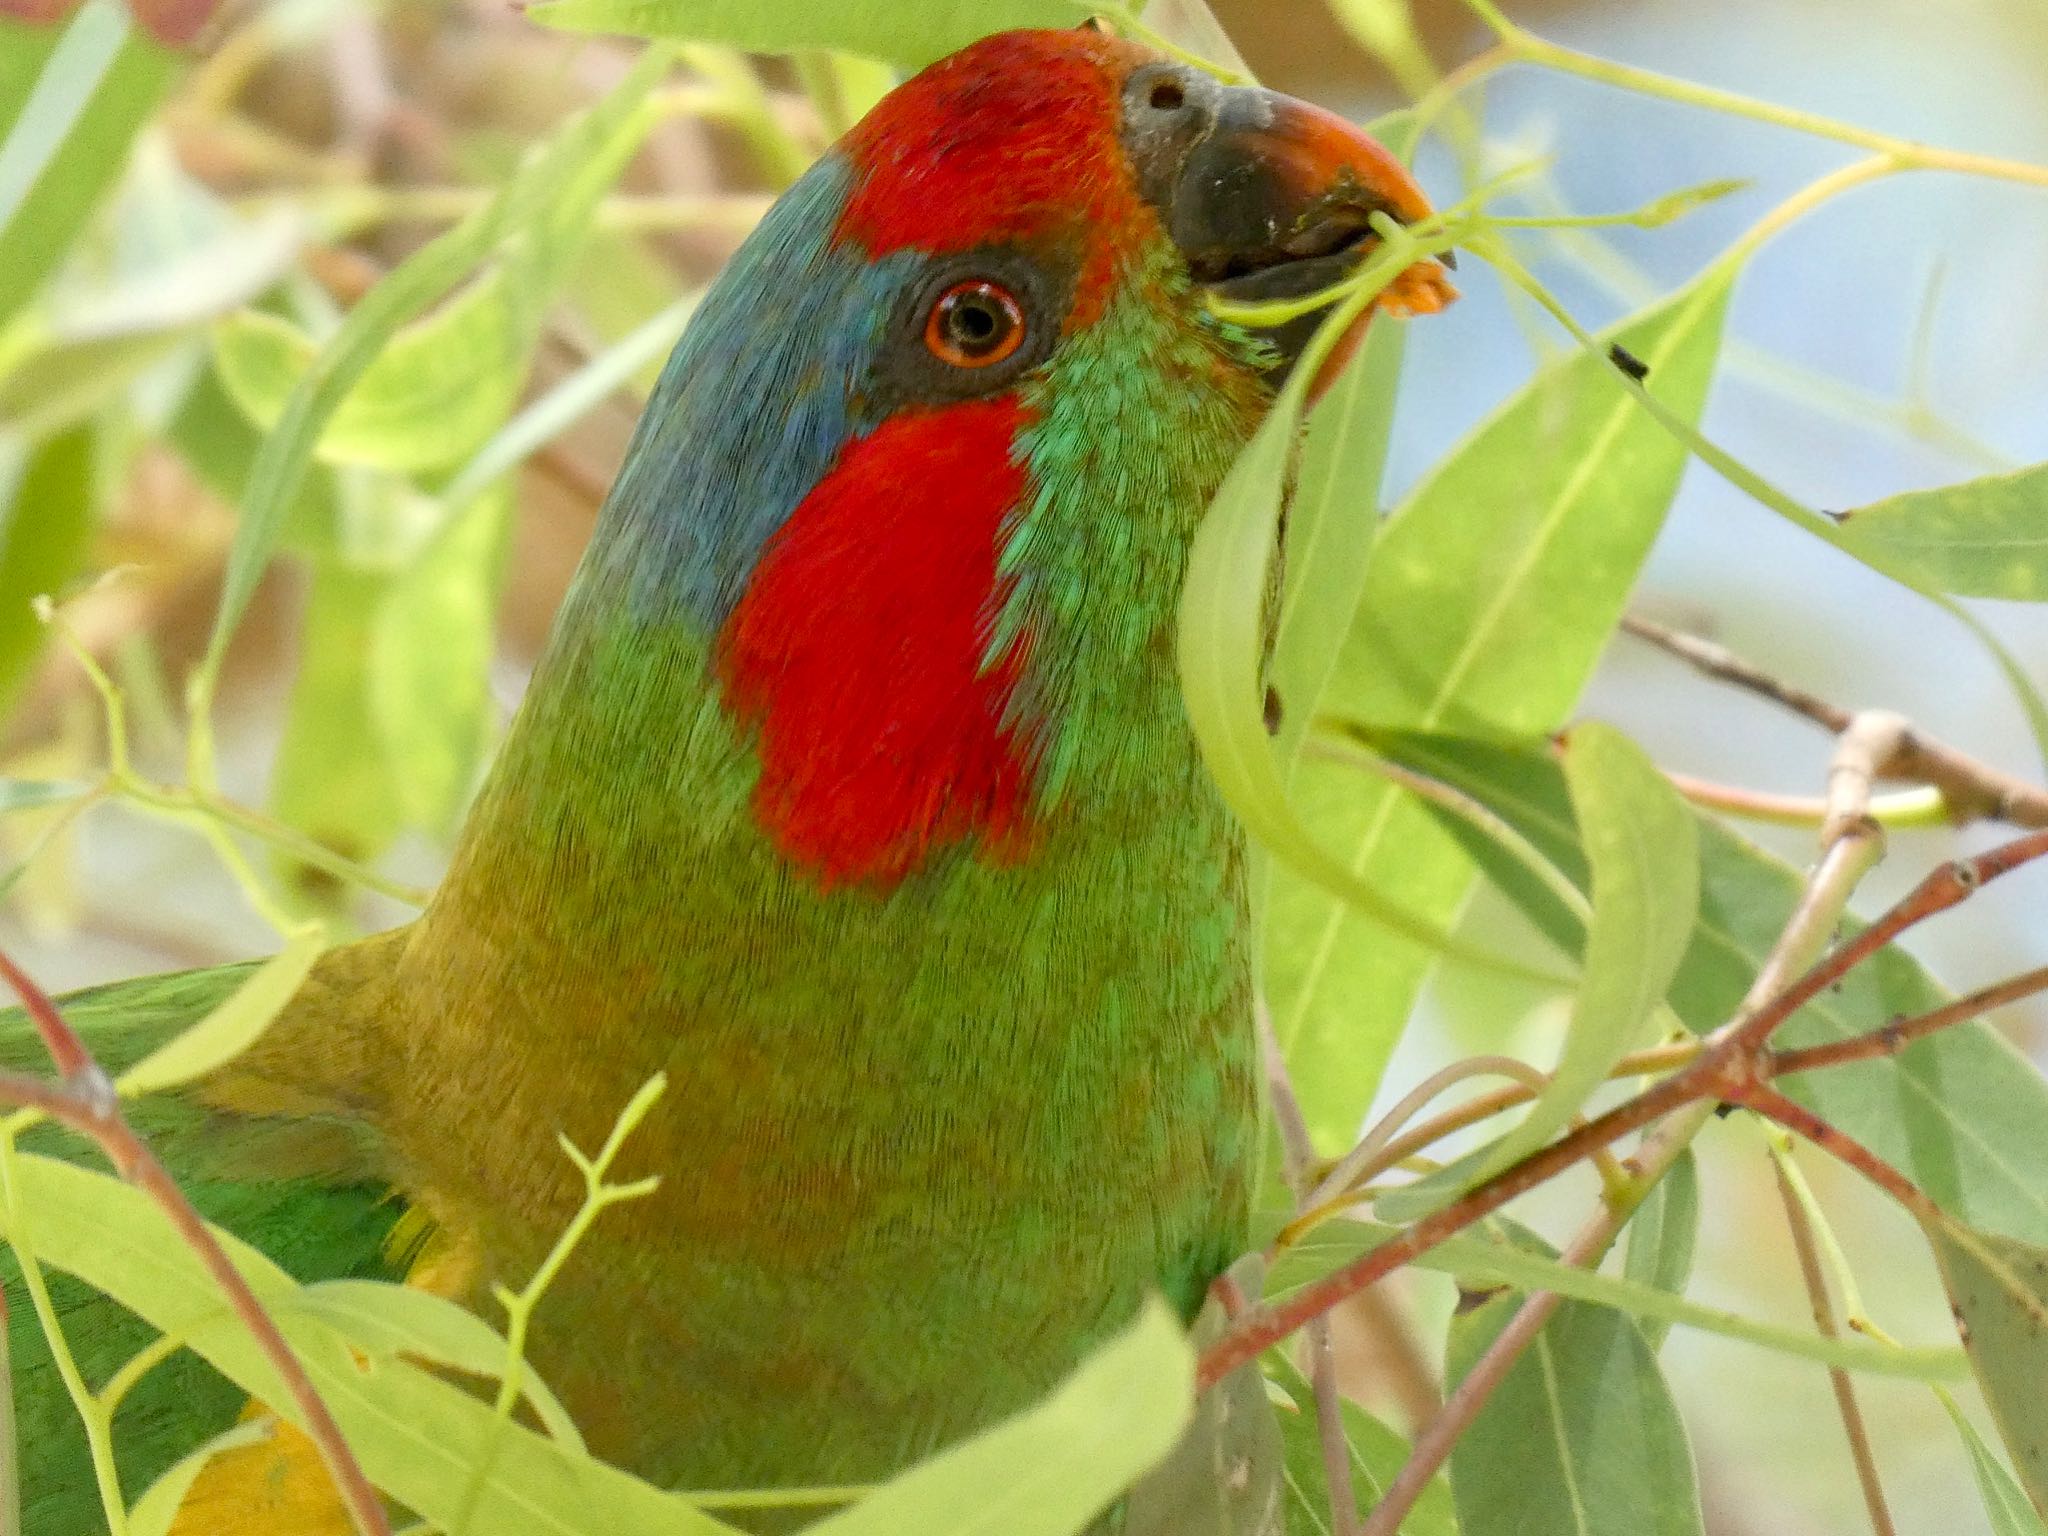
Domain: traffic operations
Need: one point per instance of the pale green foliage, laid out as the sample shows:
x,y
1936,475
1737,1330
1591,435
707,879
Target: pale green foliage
x,y
373,449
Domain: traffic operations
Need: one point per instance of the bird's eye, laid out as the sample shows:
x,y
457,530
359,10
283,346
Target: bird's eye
x,y
974,324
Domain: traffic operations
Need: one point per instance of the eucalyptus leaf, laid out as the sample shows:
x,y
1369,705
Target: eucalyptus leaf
x,y
46,524
1492,589
68,140
1479,1261
429,664
439,387
907,36
1662,1232
1377,1454
2005,1502
1960,1112
416,1435
1999,1289
1580,1438
1053,1468
1980,538
232,1026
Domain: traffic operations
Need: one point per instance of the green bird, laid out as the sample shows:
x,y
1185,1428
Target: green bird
x,y
855,792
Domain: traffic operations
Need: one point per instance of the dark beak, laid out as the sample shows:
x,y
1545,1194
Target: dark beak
x,y
1269,197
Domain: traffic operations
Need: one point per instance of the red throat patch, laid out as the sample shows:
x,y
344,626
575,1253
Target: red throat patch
x,y
857,652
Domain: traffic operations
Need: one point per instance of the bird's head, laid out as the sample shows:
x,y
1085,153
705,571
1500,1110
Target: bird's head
x,y
923,472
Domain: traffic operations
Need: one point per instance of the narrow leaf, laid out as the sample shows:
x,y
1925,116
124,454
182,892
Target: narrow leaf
x,y
45,525
1053,1468
1661,1235
908,36
1492,589
1979,538
1581,1438
231,1027
1999,1288
1377,1455
2005,1502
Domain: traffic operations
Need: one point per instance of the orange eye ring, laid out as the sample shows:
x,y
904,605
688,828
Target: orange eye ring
x,y
974,324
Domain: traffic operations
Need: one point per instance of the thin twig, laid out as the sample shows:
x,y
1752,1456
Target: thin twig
x,y
1298,1150
1762,1099
84,1100
1838,1378
1717,661
1900,1033
1878,745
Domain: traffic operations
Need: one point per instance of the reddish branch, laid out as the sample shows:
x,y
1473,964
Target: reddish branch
x,y
1732,1068
1900,1033
83,1098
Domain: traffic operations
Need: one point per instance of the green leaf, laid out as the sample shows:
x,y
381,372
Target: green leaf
x,y
905,35
417,1436
1221,651
232,1026
2005,1503
100,79
1999,1288
35,794
45,526
1979,538
1493,587
1377,1456
1478,1262
1661,1235
1960,1113
331,780
1051,1469
1639,840
403,1321
543,205
439,387
1581,1437
429,664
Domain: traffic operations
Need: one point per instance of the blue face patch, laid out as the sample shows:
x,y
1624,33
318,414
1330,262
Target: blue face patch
x,y
757,400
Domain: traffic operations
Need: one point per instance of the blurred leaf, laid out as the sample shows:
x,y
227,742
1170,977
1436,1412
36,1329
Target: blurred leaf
x,y
68,141
417,1436
1961,1113
1224,1476
1051,1469
1491,592
1979,538
438,388
1661,1235
1999,1288
1581,1437
544,205
569,400
232,1026
1377,1456
403,1321
429,664
45,527
35,794
217,442
96,338
2005,1502
1480,1261
331,781
906,35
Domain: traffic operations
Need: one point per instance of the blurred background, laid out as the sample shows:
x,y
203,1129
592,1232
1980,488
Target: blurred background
x,y
1897,339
